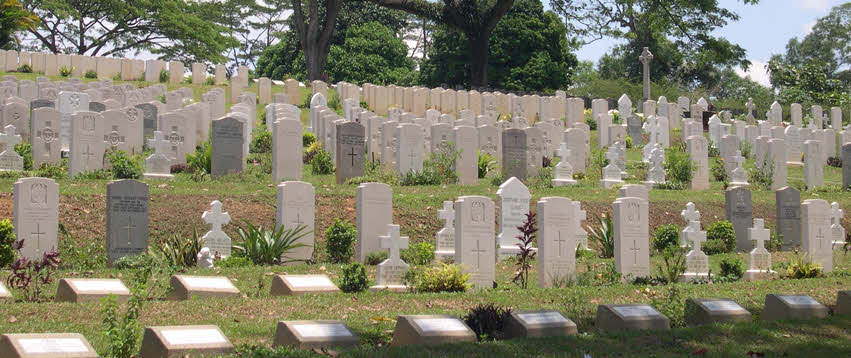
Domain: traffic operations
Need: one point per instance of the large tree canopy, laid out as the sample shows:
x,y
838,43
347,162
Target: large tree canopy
x,y
173,29
13,18
529,51
678,32
371,53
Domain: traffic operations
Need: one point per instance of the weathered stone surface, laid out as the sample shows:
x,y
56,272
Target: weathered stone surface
x,y
180,341
227,145
314,334
43,345
430,330
843,303
542,323
474,233
289,285
349,151
632,251
36,215
296,207
778,307
630,317
514,199
739,212
126,218
90,289
185,287
714,310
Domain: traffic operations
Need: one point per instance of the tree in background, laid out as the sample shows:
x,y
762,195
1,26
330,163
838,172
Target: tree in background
x,y
13,19
677,32
807,84
173,29
371,53
256,24
314,32
528,51
476,19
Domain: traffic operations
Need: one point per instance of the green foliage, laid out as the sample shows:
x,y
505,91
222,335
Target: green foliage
x,y
810,82
421,253
666,236
201,161
234,262
487,321
438,168
179,251
81,254
373,172
32,277
486,164
341,236
123,335
261,141
443,278
592,124
268,247
424,177
311,152
210,81
64,71
602,237
91,74
678,166
803,267
164,76
353,278
282,60
321,163
714,247
371,53
628,142
124,166
333,101
529,50
7,239
722,230
376,257
762,177
716,169
26,68
25,150
14,18
135,262
528,234
307,139
732,268
673,263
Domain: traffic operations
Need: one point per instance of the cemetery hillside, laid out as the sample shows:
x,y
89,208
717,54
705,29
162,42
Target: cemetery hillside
x,y
385,178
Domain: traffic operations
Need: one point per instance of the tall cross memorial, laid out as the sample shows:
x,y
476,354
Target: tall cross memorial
x,y
645,59
216,239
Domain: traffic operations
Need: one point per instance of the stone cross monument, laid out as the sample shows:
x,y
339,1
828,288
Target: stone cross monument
x,y
645,59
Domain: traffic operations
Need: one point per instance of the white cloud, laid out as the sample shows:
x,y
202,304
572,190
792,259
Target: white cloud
x,y
813,4
756,72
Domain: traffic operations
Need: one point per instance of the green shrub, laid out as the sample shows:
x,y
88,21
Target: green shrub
x,y
713,151
717,170
762,177
116,77
732,268
714,247
442,163
444,278
592,124
353,278
210,81
64,71
268,247
678,166
673,263
180,251
81,255
7,239
125,167
123,334
135,262
666,236
603,237
722,230
424,177
25,150
628,142
46,170
322,163
164,76
421,253
311,152
261,141
333,101
487,321
25,69
91,74
775,243
376,257
201,161
486,164
307,139
341,237
803,267
234,262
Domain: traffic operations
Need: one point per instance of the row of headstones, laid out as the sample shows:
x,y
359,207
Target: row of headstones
x,y
162,341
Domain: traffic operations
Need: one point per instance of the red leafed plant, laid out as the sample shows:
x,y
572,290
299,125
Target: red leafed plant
x,y
528,232
32,276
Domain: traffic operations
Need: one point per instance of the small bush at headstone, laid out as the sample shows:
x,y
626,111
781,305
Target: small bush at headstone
x,y
124,166
628,142
714,247
341,236
424,177
53,171
91,74
718,172
201,161
32,276
762,177
732,268
25,150
486,164
376,257
116,77
210,81
233,261
333,101
673,263
25,69
602,237
180,168
97,174
443,278
261,141
775,243
421,253
592,124
64,71
307,139
713,151
802,267
442,162
487,321
835,162
321,163
523,260
268,247
81,254
678,166
7,240
353,278
722,230
164,75
747,148
666,236
311,151
123,334
179,251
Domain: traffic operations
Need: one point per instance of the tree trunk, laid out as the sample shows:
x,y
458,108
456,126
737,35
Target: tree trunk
x,y
479,59
315,56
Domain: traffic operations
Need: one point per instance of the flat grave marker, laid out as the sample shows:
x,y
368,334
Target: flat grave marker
x,y
180,341
714,310
185,287
630,317
90,289
289,285
314,334
43,345
430,330
792,306
542,323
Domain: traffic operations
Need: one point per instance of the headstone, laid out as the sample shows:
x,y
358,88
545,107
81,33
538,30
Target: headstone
x,y
374,213
185,287
514,199
296,208
514,153
816,240
389,272
777,149
90,289
813,164
41,345
843,303
314,334
466,141
445,238
430,330
409,148
126,218
631,227
633,128
739,212
289,285
759,259
286,149
645,59
36,216
474,233
349,153
846,169
714,310
227,143
624,106
542,323
557,240
157,165
795,142
836,230
184,341
699,154
783,307
623,317
9,159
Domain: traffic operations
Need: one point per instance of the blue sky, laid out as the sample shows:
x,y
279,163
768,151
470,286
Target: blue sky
x,y
762,30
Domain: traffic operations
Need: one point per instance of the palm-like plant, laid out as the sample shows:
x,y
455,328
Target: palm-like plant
x,y
179,251
268,247
603,237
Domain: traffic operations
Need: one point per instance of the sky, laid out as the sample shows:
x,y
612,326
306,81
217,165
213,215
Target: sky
x,y
762,30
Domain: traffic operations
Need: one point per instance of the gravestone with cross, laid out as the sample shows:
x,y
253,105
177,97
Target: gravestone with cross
x,y
216,239
45,136
474,233
9,159
739,175
445,238
350,150
739,212
556,241
698,150
68,104
631,228
296,207
286,149
836,230
36,215
656,173
689,215
466,140
179,130
389,272
87,145
227,147
374,209
816,240
409,148
759,259
514,153
645,59
157,165
697,263
514,199
126,219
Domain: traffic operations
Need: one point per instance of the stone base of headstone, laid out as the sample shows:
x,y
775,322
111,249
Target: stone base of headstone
x,y
314,334
758,275
691,276
564,182
606,183
430,330
544,323
40,345
779,307
152,176
184,341
504,252
713,310
630,317
389,288
83,290
744,184
289,285
843,303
